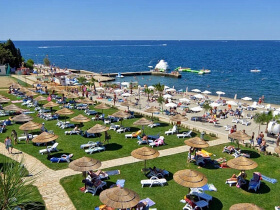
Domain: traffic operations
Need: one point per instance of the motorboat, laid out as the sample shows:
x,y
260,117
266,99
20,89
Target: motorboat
x,y
119,75
255,70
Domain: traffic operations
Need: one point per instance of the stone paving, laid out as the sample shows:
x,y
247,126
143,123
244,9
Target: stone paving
x,y
47,180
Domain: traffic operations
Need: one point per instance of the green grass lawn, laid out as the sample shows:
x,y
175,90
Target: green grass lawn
x,y
36,196
168,197
118,146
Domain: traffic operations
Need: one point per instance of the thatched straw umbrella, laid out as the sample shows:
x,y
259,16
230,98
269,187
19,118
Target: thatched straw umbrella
x,y
196,142
50,104
30,93
152,110
277,149
4,100
65,112
178,119
85,164
121,114
190,178
40,98
44,137
145,153
143,121
30,126
102,107
239,136
80,119
244,206
12,107
127,103
22,118
87,101
98,129
119,198
242,163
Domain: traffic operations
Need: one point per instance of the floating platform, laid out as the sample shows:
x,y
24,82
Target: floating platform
x,y
155,73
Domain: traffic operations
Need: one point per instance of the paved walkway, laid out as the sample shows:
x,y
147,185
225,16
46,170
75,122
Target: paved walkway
x,y
47,180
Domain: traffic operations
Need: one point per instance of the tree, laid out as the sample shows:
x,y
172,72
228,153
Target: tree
x,y
148,92
5,55
160,100
262,118
92,82
82,80
47,61
16,54
29,63
160,88
13,189
206,107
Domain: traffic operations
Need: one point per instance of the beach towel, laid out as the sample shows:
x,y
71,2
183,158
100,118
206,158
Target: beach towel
x,y
18,101
148,201
209,187
114,172
120,182
271,180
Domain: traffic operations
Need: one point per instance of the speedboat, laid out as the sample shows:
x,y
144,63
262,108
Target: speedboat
x,y
255,70
119,75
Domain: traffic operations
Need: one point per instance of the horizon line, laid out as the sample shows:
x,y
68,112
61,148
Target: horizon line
x,y
146,40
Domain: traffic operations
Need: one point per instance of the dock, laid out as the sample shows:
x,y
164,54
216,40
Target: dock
x,y
154,73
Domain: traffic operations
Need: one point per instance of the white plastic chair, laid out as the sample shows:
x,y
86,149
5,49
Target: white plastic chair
x,y
185,134
52,148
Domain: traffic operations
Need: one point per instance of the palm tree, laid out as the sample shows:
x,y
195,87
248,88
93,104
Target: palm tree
x,y
14,189
206,107
148,91
160,100
261,118
160,88
92,82
82,80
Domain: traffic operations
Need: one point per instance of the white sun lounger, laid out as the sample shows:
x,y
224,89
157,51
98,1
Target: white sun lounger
x,y
23,138
153,181
154,125
200,204
94,149
89,144
52,148
185,134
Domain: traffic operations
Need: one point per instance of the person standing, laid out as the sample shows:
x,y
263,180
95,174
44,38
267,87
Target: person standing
x,y
278,139
8,144
14,136
252,138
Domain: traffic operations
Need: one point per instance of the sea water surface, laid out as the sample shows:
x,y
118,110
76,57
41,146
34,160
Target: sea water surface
x,y
230,62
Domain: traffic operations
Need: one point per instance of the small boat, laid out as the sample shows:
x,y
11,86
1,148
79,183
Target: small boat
x,y
119,75
255,70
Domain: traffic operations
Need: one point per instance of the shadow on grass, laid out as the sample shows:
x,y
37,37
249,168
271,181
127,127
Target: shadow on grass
x,y
33,206
252,154
134,129
262,190
163,124
57,155
216,204
113,146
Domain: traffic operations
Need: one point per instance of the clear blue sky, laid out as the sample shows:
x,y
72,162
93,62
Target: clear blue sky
x,y
140,20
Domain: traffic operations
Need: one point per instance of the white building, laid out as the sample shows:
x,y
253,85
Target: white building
x,y
3,70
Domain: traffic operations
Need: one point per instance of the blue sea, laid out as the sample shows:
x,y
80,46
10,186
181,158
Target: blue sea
x,y
229,61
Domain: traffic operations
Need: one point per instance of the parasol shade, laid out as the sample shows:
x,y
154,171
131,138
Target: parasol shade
x,y
190,178
85,164
152,110
50,104
22,118
30,93
87,101
196,142
178,118
64,111
102,106
142,121
127,103
4,100
145,153
121,114
242,163
40,98
244,206
97,129
12,107
44,138
239,135
277,149
30,126
80,118
119,198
